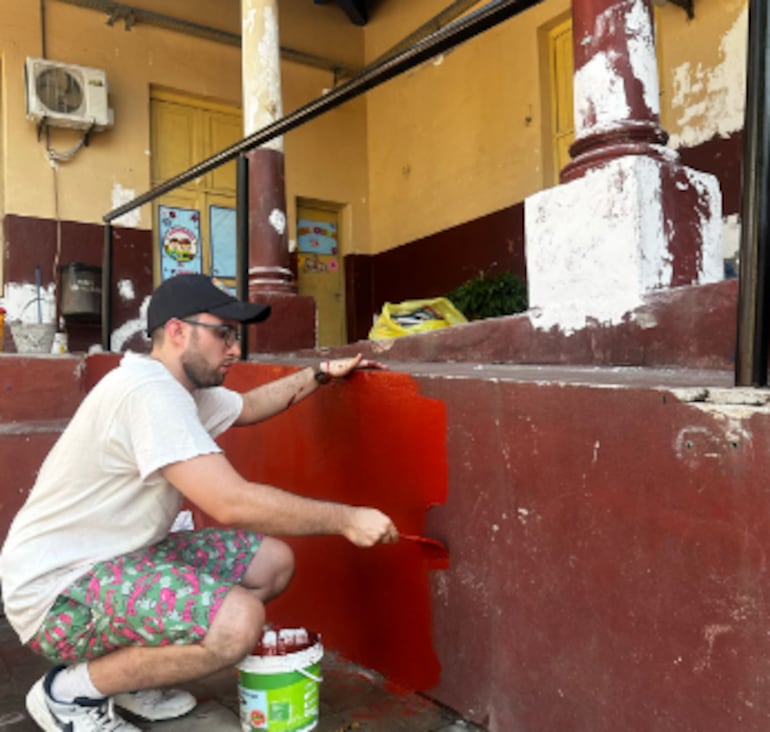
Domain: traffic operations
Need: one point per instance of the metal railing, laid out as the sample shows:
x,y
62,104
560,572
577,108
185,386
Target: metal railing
x,y
753,301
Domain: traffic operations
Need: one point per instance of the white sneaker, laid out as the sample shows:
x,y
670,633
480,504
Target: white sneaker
x,y
155,705
84,715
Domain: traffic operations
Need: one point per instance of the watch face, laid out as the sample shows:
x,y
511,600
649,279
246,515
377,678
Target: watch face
x,y
322,377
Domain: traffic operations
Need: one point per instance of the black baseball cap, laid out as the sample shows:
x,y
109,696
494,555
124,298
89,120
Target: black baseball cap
x,y
185,295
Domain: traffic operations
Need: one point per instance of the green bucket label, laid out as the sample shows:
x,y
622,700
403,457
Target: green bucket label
x,y
281,702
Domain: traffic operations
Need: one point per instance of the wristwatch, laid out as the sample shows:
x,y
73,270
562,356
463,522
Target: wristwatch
x,y
321,376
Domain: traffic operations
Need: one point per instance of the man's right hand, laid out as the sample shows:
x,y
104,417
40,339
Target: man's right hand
x,y
368,526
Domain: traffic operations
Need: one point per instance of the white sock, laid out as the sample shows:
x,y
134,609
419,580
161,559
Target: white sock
x,y
72,682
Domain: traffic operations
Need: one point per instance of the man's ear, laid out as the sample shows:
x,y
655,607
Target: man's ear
x,y
174,330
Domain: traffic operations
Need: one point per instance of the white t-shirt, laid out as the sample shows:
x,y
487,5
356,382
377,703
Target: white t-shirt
x,y
99,493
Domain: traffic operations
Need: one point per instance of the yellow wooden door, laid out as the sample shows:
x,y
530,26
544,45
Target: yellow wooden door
x,y
319,268
194,226
561,62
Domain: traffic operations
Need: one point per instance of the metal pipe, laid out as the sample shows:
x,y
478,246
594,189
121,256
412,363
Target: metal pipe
x,y
752,335
462,30
106,287
242,242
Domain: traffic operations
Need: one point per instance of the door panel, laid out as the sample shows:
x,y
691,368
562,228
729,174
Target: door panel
x,y
186,131
320,269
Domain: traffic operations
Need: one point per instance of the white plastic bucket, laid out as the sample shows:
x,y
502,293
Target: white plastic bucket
x,y
33,337
278,688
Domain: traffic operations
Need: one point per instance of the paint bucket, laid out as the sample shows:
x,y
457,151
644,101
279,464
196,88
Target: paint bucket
x,y
33,337
278,686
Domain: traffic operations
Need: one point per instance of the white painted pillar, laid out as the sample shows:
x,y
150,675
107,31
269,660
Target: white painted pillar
x,y
261,67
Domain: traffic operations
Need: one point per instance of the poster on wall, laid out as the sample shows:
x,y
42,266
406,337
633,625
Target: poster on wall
x,y
223,244
180,241
316,237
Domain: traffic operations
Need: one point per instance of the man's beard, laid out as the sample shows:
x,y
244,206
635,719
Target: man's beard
x,y
198,371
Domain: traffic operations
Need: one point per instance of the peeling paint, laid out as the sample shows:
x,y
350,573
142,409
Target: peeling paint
x,y
708,102
123,334
590,255
20,300
120,196
261,71
731,236
277,220
710,634
126,290
641,52
600,99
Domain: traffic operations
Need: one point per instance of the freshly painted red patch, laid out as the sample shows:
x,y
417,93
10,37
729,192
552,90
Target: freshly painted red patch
x,y
370,440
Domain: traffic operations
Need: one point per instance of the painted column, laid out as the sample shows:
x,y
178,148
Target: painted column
x,y
269,265
616,91
628,218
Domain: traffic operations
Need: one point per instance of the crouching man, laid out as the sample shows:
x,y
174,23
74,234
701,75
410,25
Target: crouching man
x,y
93,578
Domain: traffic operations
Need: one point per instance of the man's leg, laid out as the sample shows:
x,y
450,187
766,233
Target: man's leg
x,y
271,569
233,634
159,616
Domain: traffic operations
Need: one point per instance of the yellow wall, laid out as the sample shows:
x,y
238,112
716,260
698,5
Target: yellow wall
x,y
115,159
459,137
116,163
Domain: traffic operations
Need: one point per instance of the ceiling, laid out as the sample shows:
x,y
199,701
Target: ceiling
x,y
357,10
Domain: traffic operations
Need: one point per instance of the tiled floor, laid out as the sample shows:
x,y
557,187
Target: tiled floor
x,y
352,699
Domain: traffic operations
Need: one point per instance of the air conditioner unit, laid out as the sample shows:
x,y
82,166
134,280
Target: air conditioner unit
x,y
66,95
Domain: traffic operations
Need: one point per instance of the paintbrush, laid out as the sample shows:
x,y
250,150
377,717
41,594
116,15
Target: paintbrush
x,y
432,548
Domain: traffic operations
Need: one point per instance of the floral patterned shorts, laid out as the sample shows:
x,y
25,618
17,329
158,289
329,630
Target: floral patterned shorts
x,y
167,593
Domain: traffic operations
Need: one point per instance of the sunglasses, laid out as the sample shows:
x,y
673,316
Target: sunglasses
x,y
227,333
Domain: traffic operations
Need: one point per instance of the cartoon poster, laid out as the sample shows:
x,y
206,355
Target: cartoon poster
x,y
316,237
180,241
223,241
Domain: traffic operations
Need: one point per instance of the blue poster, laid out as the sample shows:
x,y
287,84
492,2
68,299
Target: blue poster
x,y
223,241
180,241
316,237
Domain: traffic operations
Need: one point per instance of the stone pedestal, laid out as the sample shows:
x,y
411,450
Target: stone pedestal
x,y
290,327
595,245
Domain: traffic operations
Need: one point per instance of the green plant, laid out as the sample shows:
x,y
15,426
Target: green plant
x,y
490,297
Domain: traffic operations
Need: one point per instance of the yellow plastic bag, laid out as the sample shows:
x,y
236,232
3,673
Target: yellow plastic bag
x,y
414,316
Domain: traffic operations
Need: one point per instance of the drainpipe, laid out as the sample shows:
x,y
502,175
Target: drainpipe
x,y
269,265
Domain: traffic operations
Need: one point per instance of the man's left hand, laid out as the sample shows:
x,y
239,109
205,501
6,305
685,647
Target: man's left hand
x,y
339,368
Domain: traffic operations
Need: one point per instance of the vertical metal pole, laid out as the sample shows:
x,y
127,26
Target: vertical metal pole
x,y
242,242
751,352
106,287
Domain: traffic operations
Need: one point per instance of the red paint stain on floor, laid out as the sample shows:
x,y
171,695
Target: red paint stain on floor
x,y
371,440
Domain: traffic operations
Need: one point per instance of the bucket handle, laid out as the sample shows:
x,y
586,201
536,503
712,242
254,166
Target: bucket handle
x,y
312,677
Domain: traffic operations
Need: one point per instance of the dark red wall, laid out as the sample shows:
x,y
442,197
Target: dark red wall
x,y
606,531
31,242
433,265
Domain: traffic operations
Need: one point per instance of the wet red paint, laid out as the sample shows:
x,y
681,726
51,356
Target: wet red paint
x,y
371,440
283,641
